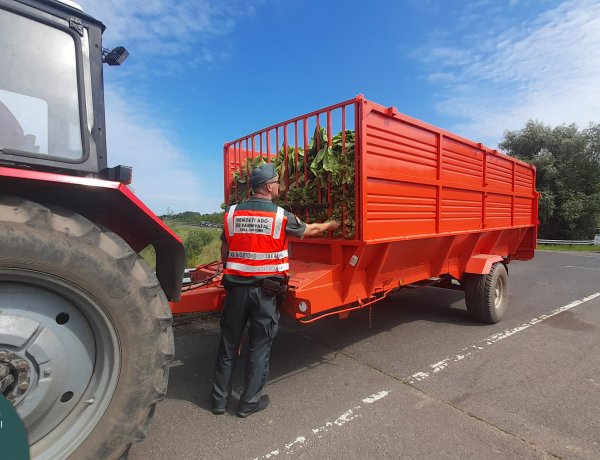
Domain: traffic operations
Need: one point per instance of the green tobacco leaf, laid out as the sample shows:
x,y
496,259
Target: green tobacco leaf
x,y
315,165
258,161
322,136
327,165
330,162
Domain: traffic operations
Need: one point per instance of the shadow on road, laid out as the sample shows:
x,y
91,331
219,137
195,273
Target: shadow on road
x,y
298,347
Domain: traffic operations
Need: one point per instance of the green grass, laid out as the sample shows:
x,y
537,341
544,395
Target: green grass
x,y
568,247
209,253
202,245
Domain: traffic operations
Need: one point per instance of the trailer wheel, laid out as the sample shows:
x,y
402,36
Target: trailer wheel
x,y
487,295
85,333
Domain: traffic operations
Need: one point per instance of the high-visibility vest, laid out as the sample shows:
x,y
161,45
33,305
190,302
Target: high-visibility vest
x,y
257,242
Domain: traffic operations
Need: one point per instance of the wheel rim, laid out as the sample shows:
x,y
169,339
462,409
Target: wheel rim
x,y
63,354
498,293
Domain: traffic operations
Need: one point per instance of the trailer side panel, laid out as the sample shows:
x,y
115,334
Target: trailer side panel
x,y
419,181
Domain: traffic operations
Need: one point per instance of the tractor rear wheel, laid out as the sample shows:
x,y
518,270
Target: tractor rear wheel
x,y
487,295
85,333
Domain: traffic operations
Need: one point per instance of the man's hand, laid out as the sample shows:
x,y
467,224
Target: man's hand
x,y
333,225
317,229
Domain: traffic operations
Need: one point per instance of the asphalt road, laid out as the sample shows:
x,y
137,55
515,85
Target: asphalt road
x,y
425,381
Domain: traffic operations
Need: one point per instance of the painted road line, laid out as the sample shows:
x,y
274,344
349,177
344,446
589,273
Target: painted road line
x,y
581,268
356,411
376,397
491,340
319,432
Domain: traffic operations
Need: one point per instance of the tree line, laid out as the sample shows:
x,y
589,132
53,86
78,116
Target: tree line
x,y
190,217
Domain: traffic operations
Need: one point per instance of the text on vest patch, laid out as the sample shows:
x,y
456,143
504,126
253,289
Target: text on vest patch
x,y
253,224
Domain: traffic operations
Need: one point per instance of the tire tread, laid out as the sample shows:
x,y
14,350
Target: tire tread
x,y
25,216
479,294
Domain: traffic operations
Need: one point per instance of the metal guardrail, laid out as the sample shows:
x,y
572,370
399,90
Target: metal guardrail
x,y
595,241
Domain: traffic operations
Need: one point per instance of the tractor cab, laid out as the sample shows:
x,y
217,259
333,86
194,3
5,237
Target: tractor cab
x,y
85,324
51,94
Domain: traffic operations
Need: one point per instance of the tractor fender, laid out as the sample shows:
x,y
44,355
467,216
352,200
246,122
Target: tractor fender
x,y
109,204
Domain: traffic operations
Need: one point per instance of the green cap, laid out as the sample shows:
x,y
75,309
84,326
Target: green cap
x,y
262,174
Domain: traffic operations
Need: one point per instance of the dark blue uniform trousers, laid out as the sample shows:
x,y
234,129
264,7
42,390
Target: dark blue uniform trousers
x,y
243,304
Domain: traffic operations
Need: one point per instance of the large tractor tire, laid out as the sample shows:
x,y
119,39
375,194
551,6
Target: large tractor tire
x,y
487,295
85,333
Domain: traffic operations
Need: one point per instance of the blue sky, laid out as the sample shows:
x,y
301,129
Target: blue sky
x,y
204,72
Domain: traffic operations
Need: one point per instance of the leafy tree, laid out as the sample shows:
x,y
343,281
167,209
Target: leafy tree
x,y
568,175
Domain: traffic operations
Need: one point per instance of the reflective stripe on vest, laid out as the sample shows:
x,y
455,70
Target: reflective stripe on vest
x,y
230,219
257,255
257,268
278,223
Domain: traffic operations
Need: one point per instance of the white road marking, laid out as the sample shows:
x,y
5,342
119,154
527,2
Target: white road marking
x,y
355,412
492,339
316,433
582,268
376,397
298,440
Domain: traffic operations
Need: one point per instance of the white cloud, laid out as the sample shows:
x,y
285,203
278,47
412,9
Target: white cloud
x,y
162,177
166,37
441,77
166,27
546,70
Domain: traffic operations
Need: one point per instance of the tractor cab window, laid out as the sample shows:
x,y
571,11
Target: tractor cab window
x,y
39,102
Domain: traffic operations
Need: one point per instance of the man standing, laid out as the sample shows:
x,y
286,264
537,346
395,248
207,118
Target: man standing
x,y
254,251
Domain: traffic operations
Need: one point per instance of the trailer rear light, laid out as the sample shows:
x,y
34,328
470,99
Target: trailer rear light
x,y
303,307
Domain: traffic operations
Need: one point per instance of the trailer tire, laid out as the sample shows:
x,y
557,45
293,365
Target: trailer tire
x,y
90,328
486,296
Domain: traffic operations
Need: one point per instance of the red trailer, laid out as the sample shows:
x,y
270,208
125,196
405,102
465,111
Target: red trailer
x,y
423,206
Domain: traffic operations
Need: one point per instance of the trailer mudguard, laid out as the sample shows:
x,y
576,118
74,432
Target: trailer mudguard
x,y
110,204
481,264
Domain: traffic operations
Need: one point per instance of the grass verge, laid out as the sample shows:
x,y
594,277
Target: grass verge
x,y
569,247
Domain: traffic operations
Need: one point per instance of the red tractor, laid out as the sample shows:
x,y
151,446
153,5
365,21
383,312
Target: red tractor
x,y
85,324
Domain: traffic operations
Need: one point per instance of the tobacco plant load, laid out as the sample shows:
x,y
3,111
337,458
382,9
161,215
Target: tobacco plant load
x,y
316,185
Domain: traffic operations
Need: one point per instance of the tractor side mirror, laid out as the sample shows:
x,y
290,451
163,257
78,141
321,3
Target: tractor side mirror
x,y
116,56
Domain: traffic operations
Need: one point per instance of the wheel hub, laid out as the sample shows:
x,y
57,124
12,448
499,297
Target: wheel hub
x,y
42,369
498,293
50,367
15,376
